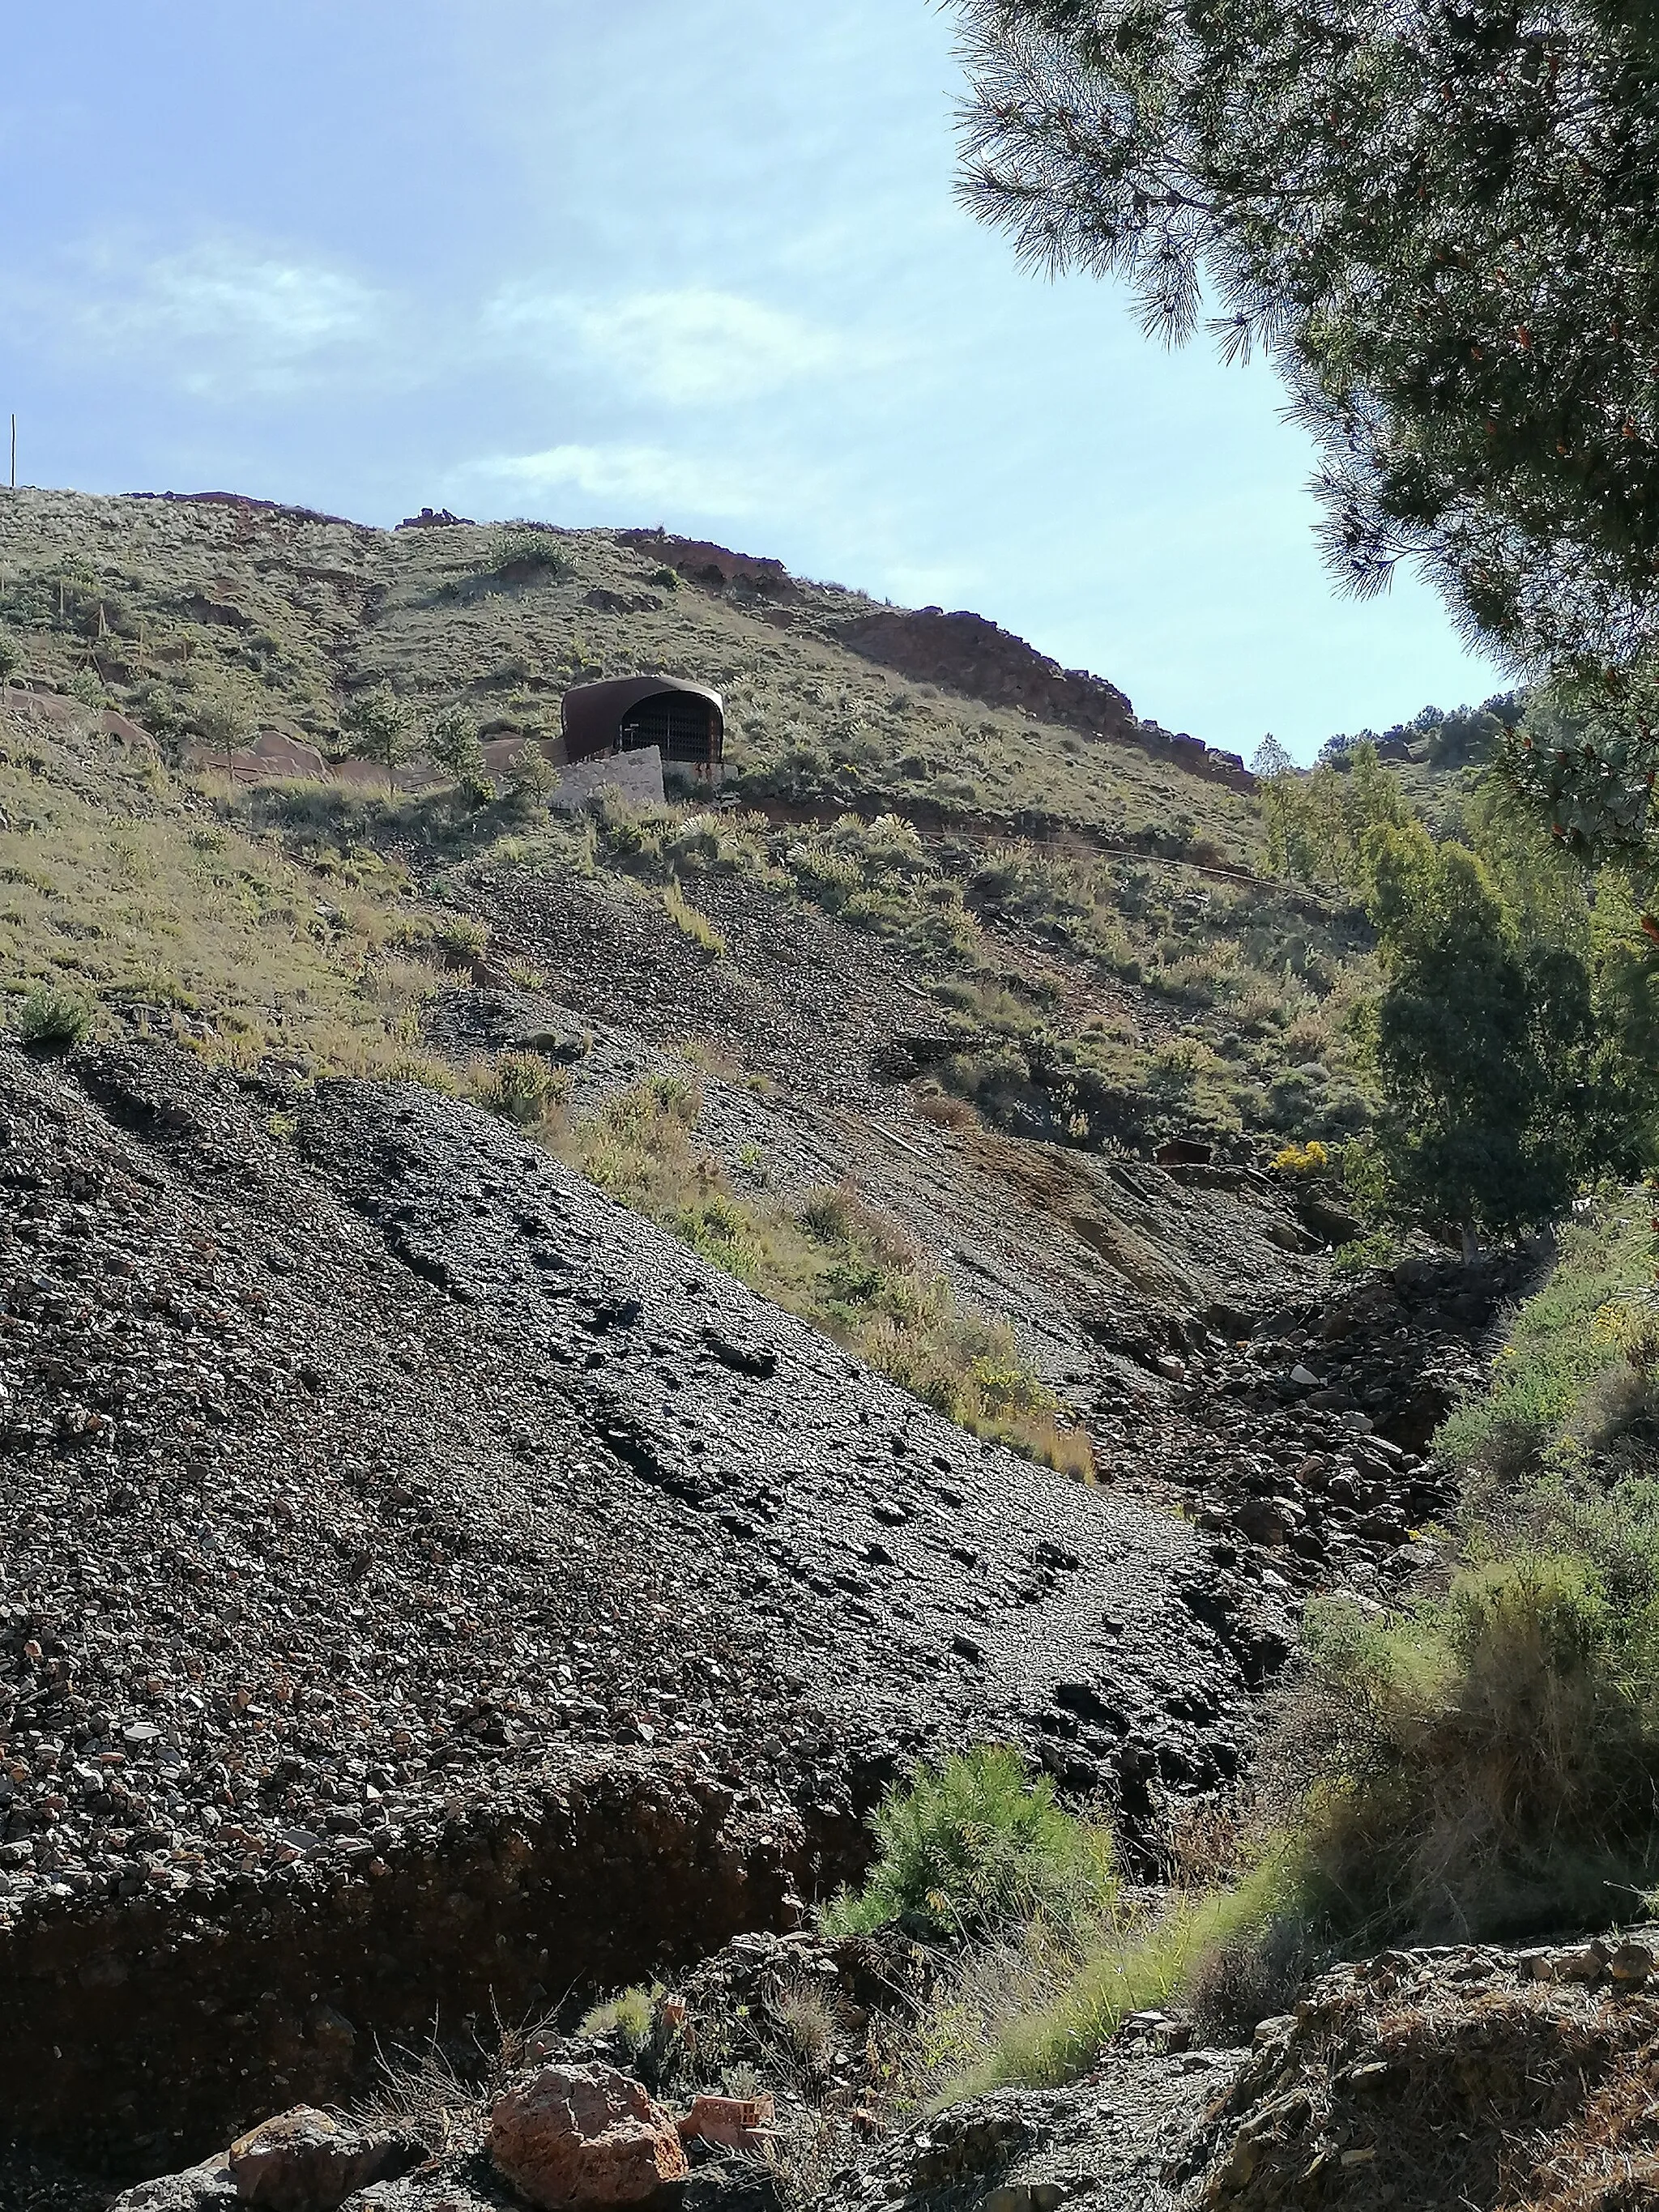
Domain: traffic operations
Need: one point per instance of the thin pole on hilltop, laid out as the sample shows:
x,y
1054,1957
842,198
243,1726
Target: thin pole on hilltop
x,y
14,452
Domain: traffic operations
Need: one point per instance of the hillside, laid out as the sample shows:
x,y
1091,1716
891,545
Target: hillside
x,y
515,1324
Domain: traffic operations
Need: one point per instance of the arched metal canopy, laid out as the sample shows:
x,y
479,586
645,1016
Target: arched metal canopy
x,y
685,721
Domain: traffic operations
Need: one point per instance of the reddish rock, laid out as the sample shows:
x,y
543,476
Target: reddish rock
x,y
577,2136
965,654
714,567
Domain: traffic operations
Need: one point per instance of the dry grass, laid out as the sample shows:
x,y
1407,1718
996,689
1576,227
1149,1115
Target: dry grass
x,y
118,885
834,1261
692,922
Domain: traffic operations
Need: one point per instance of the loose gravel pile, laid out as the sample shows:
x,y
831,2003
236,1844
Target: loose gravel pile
x,y
362,1463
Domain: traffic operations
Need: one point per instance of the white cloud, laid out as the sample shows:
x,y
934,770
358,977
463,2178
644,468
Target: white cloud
x,y
643,476
269,304
223,318
692,348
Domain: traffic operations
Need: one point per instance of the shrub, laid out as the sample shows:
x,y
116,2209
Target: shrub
x,y
526,547
452,743
530,775
1380,1249
1481,1766
524,1089
971,1850
55,1018
1309,1159
461,938
804,2012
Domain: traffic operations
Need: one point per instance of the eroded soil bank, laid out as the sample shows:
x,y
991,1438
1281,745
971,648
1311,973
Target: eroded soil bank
x,y
143,2037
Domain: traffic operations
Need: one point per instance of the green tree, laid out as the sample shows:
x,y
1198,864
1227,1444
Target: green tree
x,y
224,715
1625,968
1317,823
529,776
1440,222
1485,1047
379,726
452,743
8,659
1270,759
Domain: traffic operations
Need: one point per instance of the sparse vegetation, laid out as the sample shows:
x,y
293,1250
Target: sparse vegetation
x,y
1589,1323
691,922
524,1088
527,548
831,1259
1477,1765
55,1019
117,887
631,2015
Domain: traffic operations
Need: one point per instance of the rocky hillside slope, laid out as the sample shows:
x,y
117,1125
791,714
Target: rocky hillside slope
x,y
428,1583
157,595
376,1485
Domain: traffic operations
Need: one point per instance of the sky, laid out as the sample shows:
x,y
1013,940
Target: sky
x,y
688,262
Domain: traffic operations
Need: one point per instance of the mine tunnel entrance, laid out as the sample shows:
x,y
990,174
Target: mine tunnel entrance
x,y
681,725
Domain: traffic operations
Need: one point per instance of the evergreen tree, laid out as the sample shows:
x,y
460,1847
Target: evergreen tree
x,y
1441,222
378,727
1485,1047
225,716
452,743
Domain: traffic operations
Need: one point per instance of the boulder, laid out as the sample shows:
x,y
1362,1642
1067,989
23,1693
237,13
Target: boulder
x,y
578,2136
1632,1964
1261,1520
204,2188
305,2160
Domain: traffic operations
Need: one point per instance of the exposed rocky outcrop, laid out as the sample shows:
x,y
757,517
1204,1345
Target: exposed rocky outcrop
x,y
717,567
967,654
1442,2079
1112,2143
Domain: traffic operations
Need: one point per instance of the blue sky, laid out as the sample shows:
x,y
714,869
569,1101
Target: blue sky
x,y
693,262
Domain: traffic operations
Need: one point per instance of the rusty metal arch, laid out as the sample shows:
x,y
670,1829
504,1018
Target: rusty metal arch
x,y
593,715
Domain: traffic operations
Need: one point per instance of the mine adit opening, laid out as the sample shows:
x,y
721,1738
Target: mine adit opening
x,y
686,722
